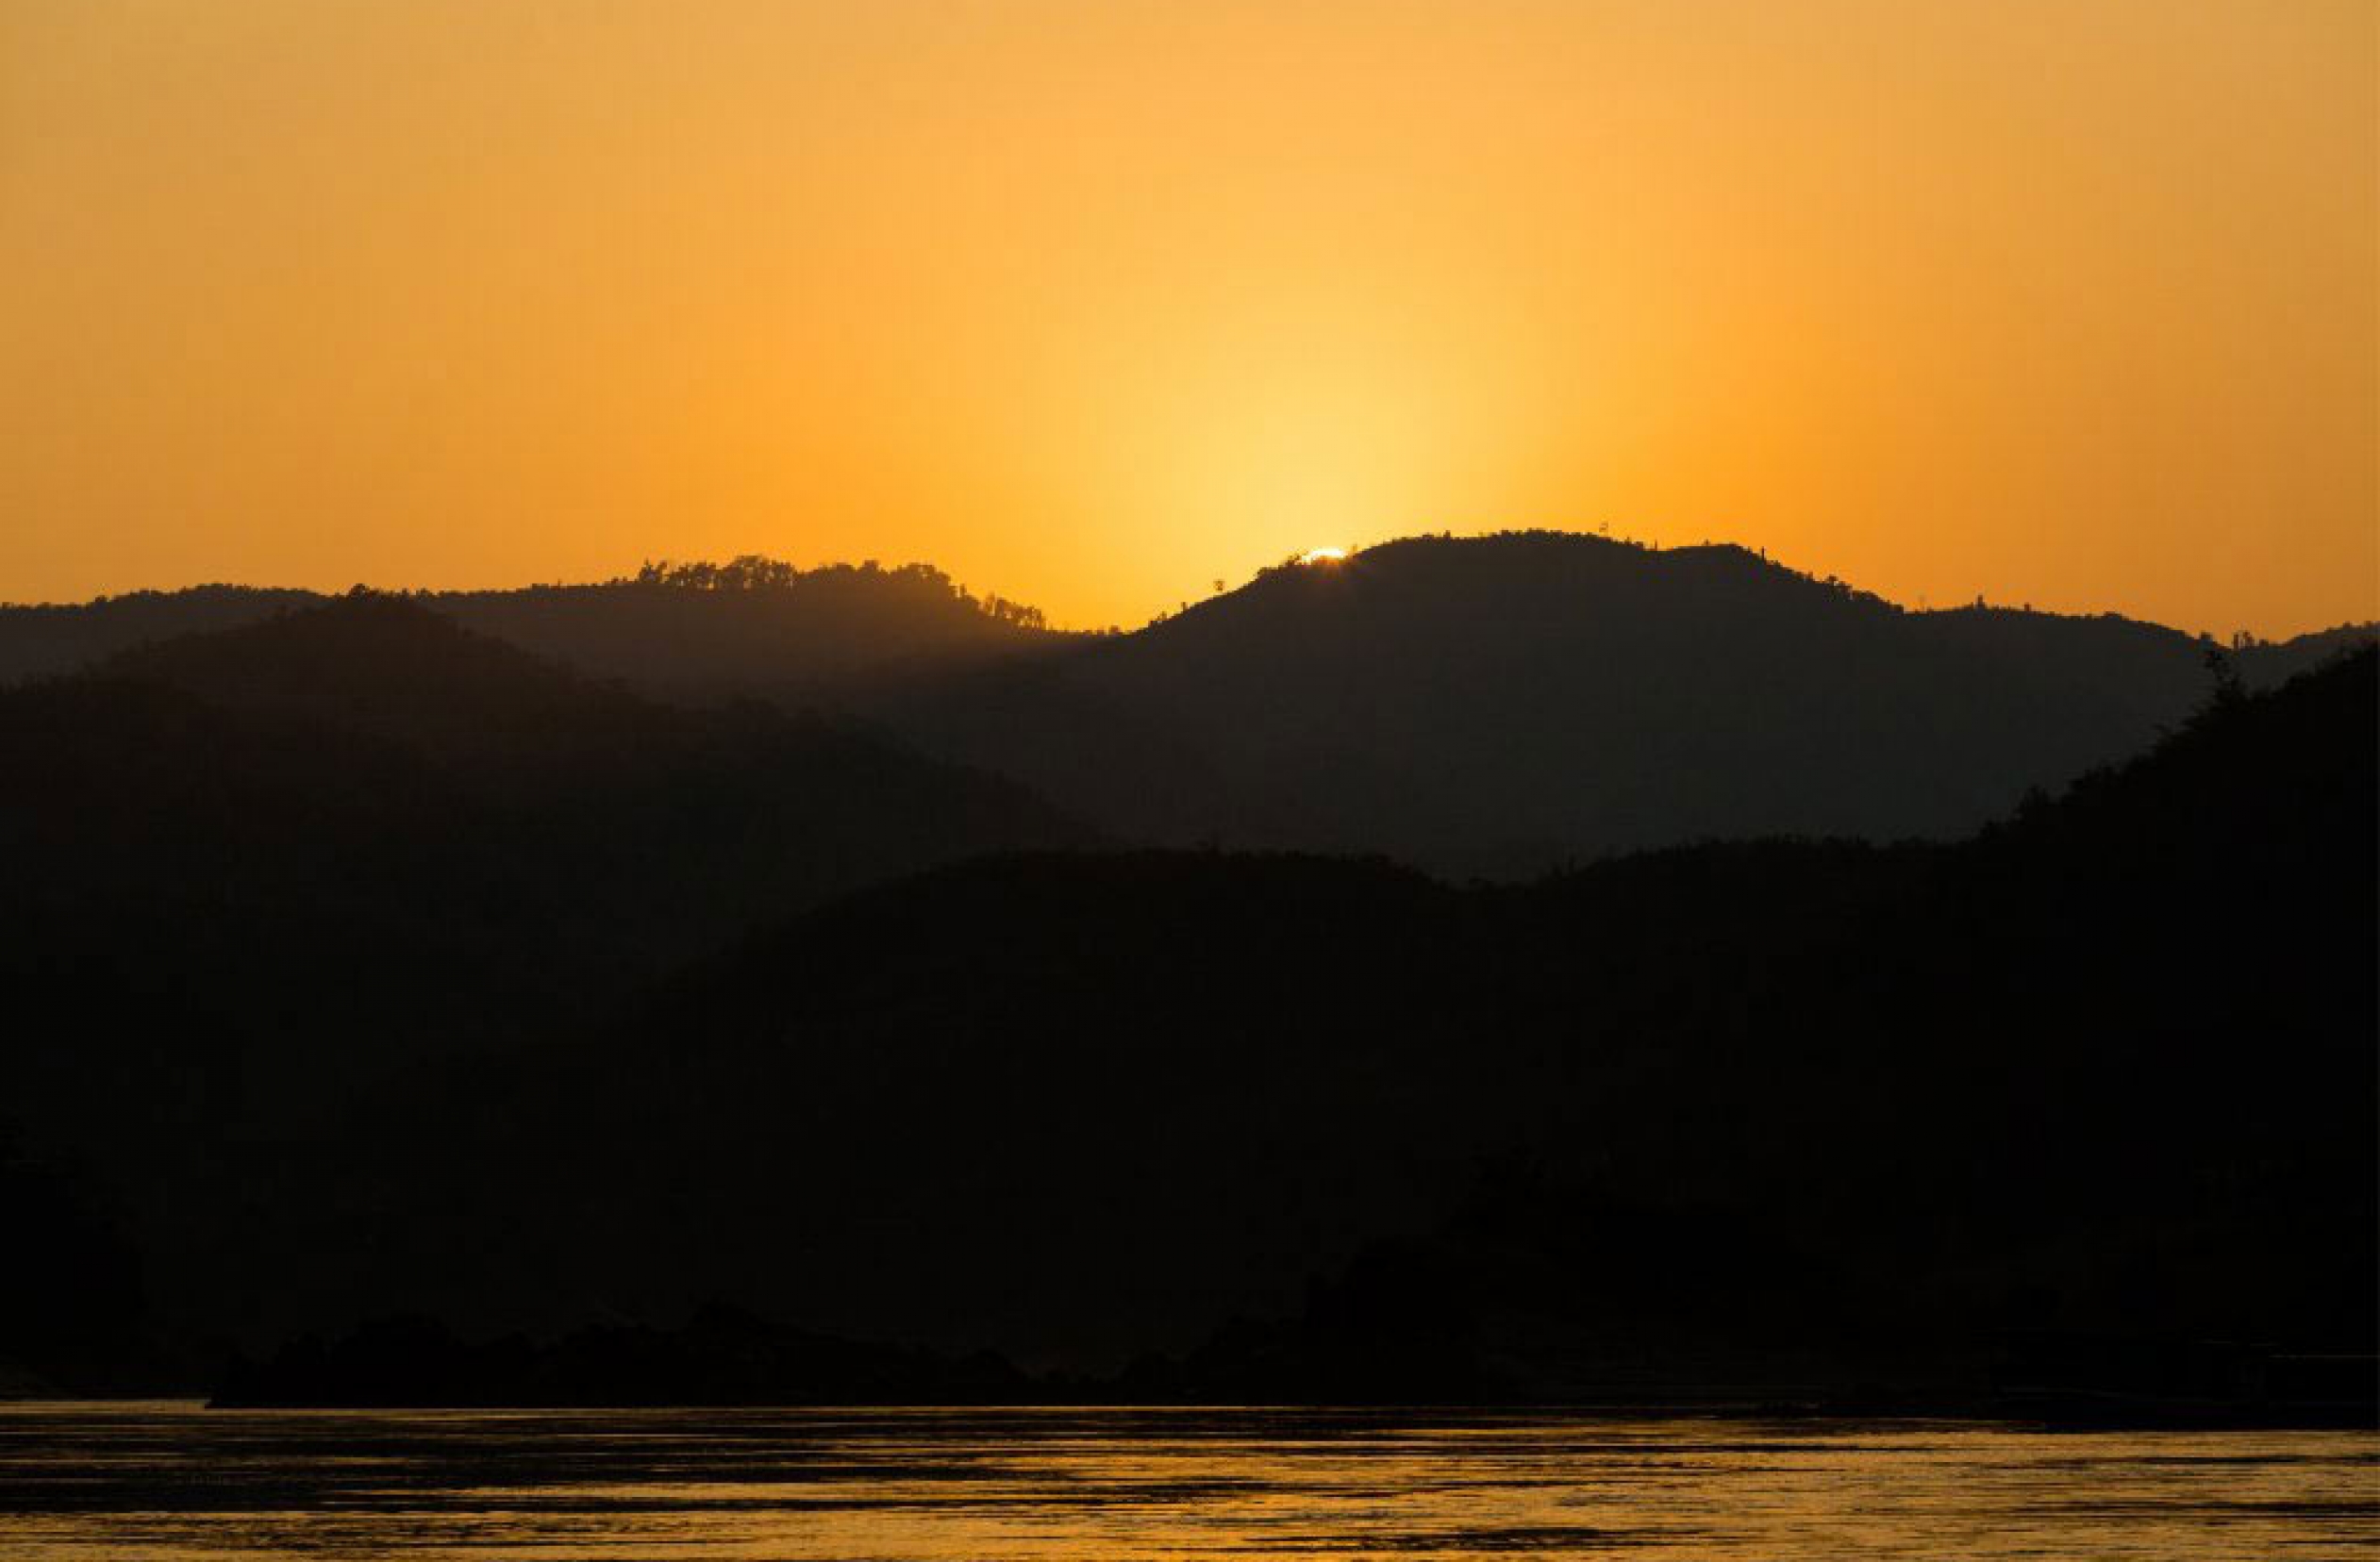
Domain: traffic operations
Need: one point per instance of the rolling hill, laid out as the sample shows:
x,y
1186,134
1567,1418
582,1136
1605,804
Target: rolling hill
x,y
1496,705
257,871
1491,705
695,631
1759,1109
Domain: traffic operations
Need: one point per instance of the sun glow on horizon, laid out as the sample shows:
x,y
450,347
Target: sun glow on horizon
x,y
2053,303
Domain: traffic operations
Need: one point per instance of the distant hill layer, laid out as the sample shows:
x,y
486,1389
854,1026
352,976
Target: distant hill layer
x,y
1491,705
697,629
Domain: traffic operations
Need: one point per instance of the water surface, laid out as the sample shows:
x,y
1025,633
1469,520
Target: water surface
x,y
173,1481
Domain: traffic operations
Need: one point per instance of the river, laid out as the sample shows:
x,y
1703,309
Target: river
x,y
174,1481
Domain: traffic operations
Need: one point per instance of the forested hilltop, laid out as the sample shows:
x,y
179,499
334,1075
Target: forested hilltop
x,y
1495,705
694,629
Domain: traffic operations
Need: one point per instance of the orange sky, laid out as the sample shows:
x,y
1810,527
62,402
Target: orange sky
x,y
2074,302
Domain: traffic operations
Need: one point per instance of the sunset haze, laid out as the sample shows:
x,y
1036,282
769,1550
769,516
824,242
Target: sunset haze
x,y
1093,304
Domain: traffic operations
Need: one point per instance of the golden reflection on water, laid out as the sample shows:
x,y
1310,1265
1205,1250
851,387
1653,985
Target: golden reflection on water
x,y
175,1482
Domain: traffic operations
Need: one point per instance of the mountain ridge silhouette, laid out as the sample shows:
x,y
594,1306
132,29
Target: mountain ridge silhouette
x,y
1481,706
364,961
1494,706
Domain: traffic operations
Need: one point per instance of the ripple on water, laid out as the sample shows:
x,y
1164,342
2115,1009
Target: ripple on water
x,y
173,1482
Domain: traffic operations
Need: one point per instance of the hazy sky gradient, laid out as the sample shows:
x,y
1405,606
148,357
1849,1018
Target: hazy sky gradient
x,y
2074,302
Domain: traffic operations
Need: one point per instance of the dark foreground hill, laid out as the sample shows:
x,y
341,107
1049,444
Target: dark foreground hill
x,y
1773,1113
255,872
718,1356
375,782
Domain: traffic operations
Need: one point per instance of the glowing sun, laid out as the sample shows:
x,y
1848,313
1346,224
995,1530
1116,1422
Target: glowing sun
x,y
1322,556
